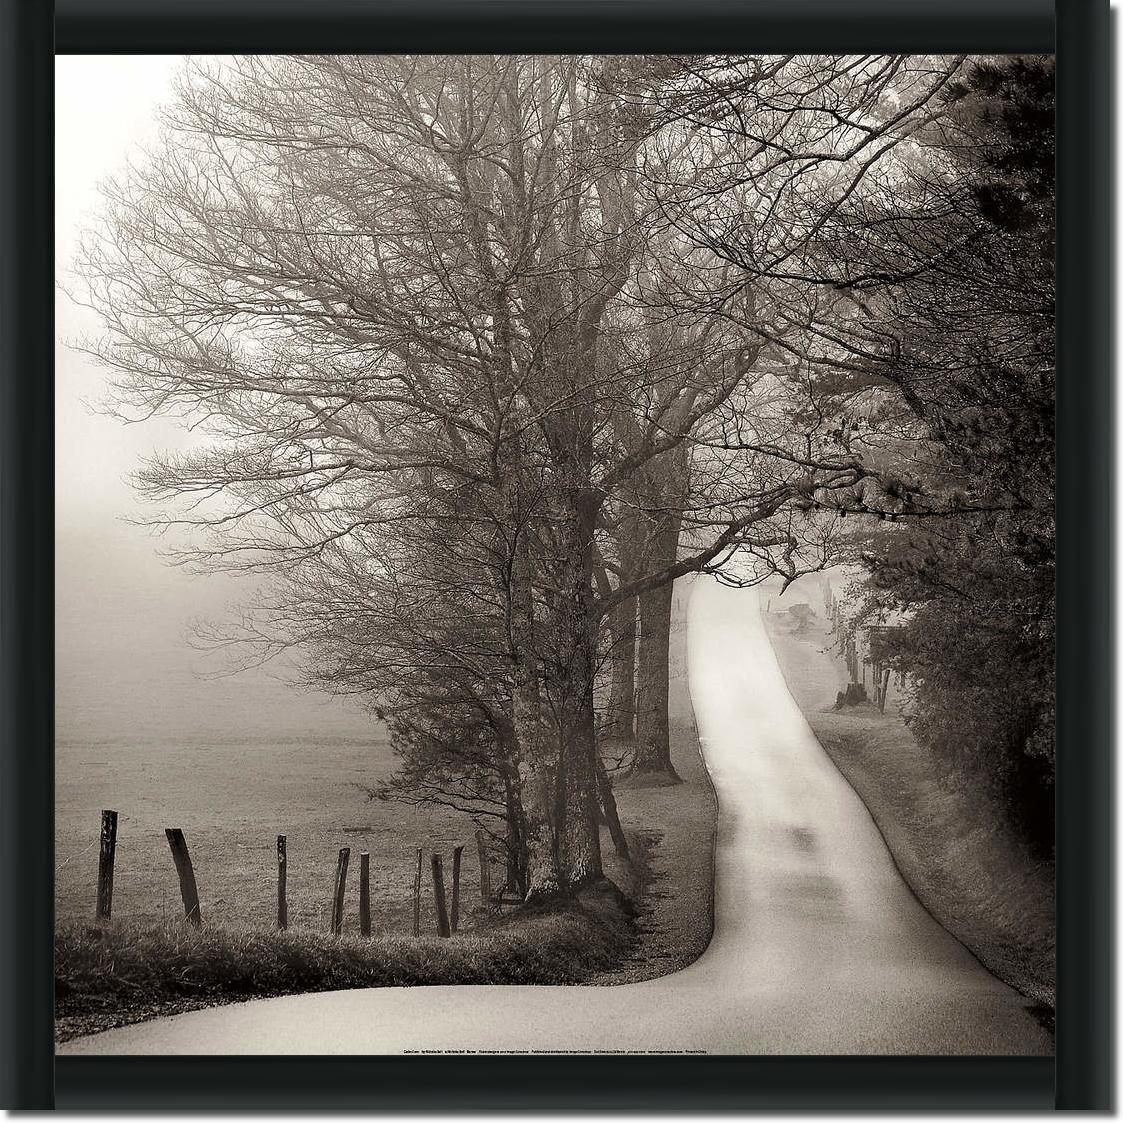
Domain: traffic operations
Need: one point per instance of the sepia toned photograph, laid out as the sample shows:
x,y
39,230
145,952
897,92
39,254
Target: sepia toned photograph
x,y
555,554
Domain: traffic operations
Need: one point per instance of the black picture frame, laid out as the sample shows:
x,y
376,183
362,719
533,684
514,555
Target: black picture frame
x,y
30,1077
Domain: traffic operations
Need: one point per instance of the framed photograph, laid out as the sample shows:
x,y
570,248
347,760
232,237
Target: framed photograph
x,y
555,568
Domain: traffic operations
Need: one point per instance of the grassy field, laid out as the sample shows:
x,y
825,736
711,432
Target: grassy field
x,y
232,800
974,878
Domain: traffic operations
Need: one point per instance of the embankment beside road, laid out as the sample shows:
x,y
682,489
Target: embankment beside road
x,y
968,872
674,827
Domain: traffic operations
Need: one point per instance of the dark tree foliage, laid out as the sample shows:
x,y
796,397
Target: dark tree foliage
x,y
973,363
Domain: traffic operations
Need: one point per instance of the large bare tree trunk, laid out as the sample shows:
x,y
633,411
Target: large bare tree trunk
x,y
516,850
579,834
580,855
653,735
620,720
653,739
539,841
620,717
542,878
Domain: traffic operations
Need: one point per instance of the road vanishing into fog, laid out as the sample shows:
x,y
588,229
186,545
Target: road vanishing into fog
x,y
818,946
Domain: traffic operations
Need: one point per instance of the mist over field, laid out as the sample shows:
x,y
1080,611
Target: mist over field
x,y
126,666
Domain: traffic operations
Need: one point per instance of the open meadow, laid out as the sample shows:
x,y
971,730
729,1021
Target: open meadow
x,y
232,800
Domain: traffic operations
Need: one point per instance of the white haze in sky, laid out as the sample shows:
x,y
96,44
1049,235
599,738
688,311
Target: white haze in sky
x,y
124,668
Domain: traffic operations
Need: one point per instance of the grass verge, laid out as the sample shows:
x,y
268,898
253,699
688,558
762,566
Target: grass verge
x,y
671,830
124,973
967,871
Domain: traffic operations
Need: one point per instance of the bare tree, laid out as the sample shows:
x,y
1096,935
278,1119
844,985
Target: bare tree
x,y
399,293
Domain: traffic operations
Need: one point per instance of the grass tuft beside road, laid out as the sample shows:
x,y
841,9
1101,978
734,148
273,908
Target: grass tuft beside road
x,y
124,973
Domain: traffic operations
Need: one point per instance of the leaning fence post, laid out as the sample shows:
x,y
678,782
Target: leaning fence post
x,y
364,893
417,897
188,890
485,866
340,886
282,882
456,855
439,897
105,865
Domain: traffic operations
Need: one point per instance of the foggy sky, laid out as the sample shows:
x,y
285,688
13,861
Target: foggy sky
x,y
124,668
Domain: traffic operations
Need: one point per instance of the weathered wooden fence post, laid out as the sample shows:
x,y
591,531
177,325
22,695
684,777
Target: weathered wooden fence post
x,y
364,893
340,887
439,897
282,882
457,853
105,865
188,890
485,866
417,897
